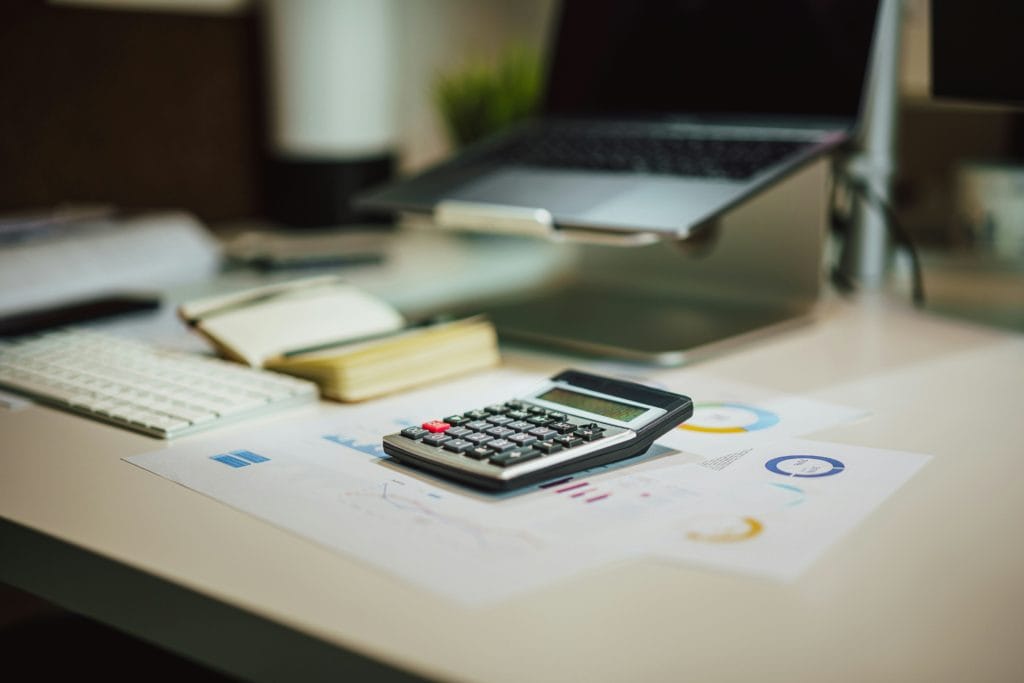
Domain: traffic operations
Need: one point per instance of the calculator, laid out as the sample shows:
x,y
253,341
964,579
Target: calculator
x,y
575,421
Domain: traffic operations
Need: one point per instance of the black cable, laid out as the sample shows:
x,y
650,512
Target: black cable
x,y
840,225
899,235
897,232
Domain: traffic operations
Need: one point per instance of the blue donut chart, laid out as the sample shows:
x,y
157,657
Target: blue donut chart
x,y
773,465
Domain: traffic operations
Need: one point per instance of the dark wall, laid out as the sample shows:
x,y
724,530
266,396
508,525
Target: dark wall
x,y
142,110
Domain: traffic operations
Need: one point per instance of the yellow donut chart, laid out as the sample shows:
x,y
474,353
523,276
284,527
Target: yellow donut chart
x,y
713,430
731,533
729,418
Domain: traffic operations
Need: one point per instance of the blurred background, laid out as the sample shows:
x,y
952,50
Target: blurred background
x,y
164,103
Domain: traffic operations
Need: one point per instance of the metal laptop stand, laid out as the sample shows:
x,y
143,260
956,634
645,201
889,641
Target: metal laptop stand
x,y
635,296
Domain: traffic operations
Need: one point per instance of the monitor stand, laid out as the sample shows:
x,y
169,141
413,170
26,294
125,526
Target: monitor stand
x,y
758,269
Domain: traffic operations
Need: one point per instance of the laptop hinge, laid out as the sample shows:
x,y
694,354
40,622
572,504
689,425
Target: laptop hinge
x,y
455,214
478,216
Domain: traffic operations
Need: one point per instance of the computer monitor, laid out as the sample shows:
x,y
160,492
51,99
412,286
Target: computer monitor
x,y
977,51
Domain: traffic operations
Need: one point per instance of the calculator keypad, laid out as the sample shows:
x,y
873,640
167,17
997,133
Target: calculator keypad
x,y
507,434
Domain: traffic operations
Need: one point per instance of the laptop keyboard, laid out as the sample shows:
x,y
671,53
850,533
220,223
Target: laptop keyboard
x,y
704,157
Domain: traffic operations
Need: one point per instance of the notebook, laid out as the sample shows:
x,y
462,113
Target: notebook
x,y
352,344
658,116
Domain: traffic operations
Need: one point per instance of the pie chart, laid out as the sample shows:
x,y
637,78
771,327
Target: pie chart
x,y
723,529
804,466
729,418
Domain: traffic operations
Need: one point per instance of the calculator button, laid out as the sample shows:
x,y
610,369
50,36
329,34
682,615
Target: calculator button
x,y
435,439
500,445
590,434
500,432
499,420
557,417
514,457
522,439
515,405
478,425
456,420
518,414
536,410
476,414
436,426
414,432
479,453
459,432
478,438
457,445
496,409
569,440
520,426
548,447
543,433
539,420
563,427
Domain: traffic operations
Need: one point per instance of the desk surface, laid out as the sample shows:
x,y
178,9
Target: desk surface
x,y
928,587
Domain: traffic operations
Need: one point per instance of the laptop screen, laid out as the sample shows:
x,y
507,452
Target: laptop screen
x,y
804,58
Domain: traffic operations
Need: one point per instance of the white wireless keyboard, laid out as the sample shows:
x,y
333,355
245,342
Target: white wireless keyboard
x,y
139,386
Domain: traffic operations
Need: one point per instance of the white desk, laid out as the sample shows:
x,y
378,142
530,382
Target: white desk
x,y
927,588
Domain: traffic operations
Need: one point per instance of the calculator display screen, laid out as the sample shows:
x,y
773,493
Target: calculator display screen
x,y
593,404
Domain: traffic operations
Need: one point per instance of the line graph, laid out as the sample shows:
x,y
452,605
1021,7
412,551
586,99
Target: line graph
x,y
418,510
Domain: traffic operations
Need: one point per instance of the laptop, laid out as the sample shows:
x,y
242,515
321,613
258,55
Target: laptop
x,y
658,116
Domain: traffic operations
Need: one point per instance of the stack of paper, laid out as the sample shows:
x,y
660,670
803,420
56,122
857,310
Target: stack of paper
x,y
92,259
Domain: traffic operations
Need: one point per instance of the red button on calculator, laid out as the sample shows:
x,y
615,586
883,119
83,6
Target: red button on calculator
x,y
436,426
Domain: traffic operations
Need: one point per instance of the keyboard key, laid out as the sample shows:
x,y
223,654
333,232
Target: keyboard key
x,y
536,410
478,438
167,423
436,426
500,445
548,447
557,417
457,445
435,439
520,426
499,420
414,432
522,439
539,421
500,432
569,440
590,434
515,457
479,453
563,427
456,420
478,425
543,433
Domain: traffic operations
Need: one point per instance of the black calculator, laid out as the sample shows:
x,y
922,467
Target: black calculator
x,y
575,421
